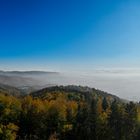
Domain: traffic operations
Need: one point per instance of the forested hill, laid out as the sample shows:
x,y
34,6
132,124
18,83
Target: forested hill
x,y
76,92
68,113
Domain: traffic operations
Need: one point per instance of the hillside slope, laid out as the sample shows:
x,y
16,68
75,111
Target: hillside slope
x,y
75,92
9,90
26,78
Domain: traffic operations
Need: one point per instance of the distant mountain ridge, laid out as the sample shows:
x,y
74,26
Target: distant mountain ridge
x,y
20,73
17,80
26,78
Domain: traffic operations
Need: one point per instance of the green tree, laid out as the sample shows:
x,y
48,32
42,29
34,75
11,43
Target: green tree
x,y
117,121
105,104
131,121
8,132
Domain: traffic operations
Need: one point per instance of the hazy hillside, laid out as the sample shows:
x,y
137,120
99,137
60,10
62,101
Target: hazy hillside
x,y
9,90
28,79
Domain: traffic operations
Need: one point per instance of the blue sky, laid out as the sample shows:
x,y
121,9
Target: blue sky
x,y
69,34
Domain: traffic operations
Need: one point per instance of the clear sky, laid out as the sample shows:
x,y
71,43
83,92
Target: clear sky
x,y
69,34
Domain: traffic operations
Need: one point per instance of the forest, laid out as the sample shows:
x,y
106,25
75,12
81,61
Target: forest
x,y
68,113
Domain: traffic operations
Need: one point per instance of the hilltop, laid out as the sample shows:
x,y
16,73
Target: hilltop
x,y
75,92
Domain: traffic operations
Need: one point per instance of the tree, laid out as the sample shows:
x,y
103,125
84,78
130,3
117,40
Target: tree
x,y
131,121
105,104
8,132
80,132
117,121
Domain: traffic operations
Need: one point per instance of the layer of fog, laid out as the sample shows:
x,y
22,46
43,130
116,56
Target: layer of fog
x,y
125,84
